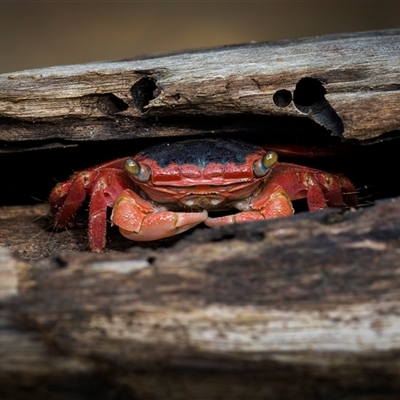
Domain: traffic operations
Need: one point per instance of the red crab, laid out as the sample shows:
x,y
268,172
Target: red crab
x,y
169,188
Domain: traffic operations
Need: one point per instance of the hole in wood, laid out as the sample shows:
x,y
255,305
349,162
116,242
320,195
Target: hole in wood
x,y
308,92
151,260
142,92
309,98
282,98
110,104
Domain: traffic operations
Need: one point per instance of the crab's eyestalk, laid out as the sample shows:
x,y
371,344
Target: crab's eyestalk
x,y
263,165
140,172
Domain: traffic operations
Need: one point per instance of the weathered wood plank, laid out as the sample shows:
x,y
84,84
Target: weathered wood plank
x,y
305,306
27,368
360,74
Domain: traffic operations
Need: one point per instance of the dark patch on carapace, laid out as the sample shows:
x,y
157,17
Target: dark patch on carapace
x,y
200,152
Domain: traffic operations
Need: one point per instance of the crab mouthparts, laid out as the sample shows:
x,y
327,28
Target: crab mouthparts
x,y
203,201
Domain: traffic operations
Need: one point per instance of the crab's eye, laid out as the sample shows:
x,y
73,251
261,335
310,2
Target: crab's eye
x,y
141,173
261,166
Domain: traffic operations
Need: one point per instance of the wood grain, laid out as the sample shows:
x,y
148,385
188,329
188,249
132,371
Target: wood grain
x,y
242,309
351,87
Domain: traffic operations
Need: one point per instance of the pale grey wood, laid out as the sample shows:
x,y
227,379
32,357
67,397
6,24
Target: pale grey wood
x,y
360,73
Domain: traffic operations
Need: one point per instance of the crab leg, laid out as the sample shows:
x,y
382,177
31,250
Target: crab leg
x,y
272,202
105,193
321,190
139,220
66,198
105,187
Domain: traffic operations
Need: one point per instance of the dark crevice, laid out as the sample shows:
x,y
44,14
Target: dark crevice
x,y
151,260
223,236
308,93
143,91
60,262
260,128
282,98
234,232
109,104
32,168
309,98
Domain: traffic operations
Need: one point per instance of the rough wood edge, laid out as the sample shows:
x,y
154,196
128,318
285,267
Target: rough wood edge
x,y
126,99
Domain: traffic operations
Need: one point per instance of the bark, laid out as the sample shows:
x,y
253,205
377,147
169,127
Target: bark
x,y
299,307
349,84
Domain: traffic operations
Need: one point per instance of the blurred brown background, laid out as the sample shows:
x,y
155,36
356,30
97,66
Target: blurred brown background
x,y
40,34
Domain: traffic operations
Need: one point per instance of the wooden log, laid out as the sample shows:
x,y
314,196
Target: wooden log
x,y
27,368
299,307
303,307
348,83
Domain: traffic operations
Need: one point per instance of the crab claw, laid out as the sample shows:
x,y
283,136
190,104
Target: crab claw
x,y
138,220
272,202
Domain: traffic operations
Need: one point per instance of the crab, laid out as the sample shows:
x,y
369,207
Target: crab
x,y
171,187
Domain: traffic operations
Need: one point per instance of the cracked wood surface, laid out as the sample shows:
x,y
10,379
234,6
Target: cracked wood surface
x,y
225,88
304,306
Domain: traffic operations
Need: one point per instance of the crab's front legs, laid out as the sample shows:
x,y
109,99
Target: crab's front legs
x,y
139,220
271,202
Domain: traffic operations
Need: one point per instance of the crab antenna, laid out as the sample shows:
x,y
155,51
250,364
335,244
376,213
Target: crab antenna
x,y
141,173
262,166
